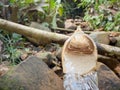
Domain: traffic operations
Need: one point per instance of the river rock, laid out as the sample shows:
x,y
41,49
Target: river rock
x,y
107,80
112,63
69,24
118,41
100,37
31,74
47,57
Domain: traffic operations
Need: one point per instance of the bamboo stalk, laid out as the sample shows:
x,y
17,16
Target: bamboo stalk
x,y
31,32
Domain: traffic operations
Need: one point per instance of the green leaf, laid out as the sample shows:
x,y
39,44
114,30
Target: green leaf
x,y
109,26
12,1
51,5
75,0
60,10
29,1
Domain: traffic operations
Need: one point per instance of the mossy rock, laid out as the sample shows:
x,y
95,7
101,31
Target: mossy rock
x,y
31,74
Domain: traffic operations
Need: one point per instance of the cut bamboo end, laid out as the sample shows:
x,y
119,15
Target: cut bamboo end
x,y
79,54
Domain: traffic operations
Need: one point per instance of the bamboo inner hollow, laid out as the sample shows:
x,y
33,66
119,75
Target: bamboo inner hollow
x,y
80,45
79,55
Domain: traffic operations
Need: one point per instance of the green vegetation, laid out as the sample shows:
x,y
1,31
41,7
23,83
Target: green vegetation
x,y
44,11
102,14
11,47
39,10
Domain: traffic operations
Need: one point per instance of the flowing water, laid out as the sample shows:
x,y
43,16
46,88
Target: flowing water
x,y
77,82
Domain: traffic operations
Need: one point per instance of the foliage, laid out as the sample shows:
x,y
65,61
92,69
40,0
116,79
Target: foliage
x,y
52,10
103,14
43,10
39,10
21,3
11,47
100,15
71,8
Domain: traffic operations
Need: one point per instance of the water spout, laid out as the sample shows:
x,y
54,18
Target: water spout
x,y
77,82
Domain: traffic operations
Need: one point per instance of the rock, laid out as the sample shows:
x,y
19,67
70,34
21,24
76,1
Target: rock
x,y
69,24
100,37
118,41
60,23
115,38
112,63
113,41
31,74
85,26
58,53
107,80
47,57
52,47
24,56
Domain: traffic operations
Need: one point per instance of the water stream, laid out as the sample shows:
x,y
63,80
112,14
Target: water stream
x,y
77,82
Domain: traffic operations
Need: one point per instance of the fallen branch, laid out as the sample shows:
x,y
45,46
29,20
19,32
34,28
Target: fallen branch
x,y
108,50
69,30
63,29
32,32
